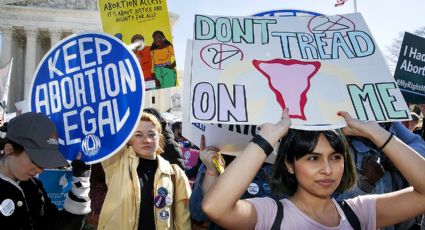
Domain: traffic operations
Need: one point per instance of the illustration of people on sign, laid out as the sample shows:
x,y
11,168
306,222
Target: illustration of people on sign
x,y
163,61
143,54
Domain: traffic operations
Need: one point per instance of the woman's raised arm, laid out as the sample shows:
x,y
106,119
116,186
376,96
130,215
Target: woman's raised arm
x,y
395,207
222,203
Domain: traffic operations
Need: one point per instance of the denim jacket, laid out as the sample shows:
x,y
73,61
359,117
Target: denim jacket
x,y
258,188
384,185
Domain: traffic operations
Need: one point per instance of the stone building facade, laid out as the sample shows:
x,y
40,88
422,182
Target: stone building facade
x,y
30,28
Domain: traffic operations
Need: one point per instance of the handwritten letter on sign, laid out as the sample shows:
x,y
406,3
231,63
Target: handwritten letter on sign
x,y
245,70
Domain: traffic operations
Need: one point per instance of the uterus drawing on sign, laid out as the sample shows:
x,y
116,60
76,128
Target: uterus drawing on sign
x,y
290,82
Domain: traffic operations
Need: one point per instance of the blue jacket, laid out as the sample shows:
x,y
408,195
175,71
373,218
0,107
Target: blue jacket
x,y
258,188
385,184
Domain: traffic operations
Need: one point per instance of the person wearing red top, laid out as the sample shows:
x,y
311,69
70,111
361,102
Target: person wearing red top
x,y
143,54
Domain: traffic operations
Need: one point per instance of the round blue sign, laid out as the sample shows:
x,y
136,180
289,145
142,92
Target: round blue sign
x,y
92,88
286,13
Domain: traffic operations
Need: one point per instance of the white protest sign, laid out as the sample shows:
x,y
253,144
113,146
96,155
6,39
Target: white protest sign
x,y
230,139
92,87
245,70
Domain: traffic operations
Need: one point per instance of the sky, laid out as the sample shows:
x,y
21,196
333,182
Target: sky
x,y
385,19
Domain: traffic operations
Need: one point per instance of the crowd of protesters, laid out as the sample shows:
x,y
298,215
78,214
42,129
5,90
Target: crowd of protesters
x,y
365,176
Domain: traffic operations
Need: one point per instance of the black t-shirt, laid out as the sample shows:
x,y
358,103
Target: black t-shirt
x,y
32,209
146,172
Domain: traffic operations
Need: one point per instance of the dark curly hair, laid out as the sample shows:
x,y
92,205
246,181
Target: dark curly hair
x,y
160,33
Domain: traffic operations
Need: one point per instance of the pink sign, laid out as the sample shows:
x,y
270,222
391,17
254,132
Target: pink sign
x,y
190,157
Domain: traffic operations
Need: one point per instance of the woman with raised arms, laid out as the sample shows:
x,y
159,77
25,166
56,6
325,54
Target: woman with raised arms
x,y
309,168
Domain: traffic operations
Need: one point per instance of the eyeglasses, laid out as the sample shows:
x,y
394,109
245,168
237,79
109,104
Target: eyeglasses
x,y
150,136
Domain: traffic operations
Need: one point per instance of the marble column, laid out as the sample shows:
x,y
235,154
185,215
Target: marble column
x,y
30,59
55,36
7,32
17,76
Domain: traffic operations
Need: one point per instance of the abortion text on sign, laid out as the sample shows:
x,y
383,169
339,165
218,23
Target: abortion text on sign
x,y
86,84
249,64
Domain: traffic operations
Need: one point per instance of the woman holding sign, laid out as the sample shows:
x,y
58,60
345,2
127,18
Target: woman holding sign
x,y
310,167
144,190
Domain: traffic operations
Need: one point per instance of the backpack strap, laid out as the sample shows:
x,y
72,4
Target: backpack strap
x,y
279,215
351,216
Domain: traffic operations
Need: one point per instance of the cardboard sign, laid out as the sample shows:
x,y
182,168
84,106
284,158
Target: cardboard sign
x,y
145,26
57,184
245,70
91,86
230,139
410,70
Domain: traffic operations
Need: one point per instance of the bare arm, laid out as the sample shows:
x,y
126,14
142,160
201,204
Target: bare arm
x,y
392,208
222,203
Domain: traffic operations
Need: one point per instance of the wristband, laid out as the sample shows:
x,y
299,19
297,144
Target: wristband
x,y
263,143
386,142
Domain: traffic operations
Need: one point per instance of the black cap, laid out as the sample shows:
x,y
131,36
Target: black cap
x,y
37,134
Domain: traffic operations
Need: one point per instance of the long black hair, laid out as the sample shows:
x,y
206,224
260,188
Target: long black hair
x,y
166,42
298,143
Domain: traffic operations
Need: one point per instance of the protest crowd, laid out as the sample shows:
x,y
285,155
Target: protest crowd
x,y
185,190
366,174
